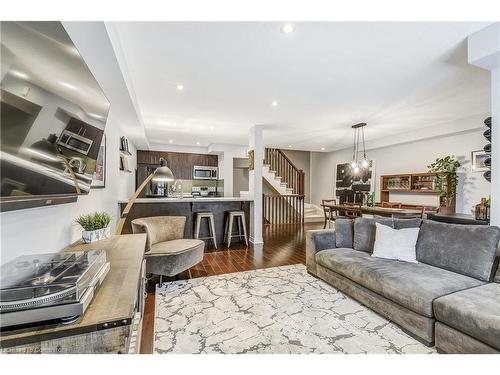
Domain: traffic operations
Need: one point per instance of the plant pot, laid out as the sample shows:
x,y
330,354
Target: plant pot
x,y
89,236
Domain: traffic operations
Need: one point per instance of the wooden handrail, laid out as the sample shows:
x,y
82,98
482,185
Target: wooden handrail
x,y
284,168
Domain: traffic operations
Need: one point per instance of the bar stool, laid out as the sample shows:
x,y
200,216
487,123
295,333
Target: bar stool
x,y
211,226
240,220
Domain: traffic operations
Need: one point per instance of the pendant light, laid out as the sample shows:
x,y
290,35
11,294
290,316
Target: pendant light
x,y
357,165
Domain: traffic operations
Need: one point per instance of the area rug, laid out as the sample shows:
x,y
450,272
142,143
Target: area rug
x,y
273,310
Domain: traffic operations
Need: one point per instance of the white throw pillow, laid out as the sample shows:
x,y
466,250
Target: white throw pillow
x,y
398,244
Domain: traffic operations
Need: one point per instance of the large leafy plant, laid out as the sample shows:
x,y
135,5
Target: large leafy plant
x,y
446,177
94,221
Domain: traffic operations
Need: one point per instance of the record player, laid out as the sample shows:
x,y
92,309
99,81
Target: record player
x,y
49,287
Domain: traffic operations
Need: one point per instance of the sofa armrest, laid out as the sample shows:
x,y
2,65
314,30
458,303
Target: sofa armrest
x,y
317,240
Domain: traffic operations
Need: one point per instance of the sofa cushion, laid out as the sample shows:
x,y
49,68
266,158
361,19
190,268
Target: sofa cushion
x,y
411,285
324,239
475,312
343,232
407,223
466,249
364,232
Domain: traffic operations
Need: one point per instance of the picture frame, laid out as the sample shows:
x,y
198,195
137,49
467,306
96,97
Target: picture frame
x,y
99,176
477,161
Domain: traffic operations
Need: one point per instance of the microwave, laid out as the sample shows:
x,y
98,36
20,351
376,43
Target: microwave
x,y
75,142
204,173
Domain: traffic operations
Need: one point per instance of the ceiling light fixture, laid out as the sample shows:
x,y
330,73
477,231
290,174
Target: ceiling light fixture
x,y
170,141
212,128
67,85
274,103
180,87
18,74
289,146
198,143
322,149
287,29
359,136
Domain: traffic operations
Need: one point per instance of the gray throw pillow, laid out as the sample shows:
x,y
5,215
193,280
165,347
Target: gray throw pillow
x,y
402,223
364,232
343,233
465,249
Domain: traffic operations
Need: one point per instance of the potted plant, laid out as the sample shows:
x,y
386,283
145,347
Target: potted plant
x,y
446,181
95,226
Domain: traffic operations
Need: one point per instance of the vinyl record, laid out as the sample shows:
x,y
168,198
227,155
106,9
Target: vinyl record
x,y
487,134
487,162
487,148
487,176
487,122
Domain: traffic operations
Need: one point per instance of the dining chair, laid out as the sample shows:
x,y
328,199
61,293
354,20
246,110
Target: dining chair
x,y
329,213
352,210
391,204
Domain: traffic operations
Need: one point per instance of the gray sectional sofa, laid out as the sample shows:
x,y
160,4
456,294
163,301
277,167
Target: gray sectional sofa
x,y
451,297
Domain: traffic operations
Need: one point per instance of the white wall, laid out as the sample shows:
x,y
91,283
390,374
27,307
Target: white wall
x,y
302,160
409,158
49,229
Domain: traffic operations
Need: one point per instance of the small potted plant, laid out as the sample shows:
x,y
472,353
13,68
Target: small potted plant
x,y
95,226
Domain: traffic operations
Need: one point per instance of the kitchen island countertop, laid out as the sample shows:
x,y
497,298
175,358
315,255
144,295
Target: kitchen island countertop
x,y
188,200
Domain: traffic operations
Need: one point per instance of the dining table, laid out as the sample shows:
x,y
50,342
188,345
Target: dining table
x,y
380,211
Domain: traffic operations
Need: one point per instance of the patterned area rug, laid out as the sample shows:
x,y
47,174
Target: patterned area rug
x,y
273,310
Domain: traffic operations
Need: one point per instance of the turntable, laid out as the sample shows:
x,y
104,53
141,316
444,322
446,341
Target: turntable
x,y
49,287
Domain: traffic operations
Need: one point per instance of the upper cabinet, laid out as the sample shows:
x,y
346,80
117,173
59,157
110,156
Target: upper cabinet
x,y
181,164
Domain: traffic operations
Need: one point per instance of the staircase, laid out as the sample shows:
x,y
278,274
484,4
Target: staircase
x,y
287,206
313,213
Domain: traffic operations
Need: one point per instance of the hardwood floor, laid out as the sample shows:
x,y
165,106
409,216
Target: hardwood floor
x,y
283,245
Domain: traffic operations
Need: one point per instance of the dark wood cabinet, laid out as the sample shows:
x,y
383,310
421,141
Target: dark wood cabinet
x,y
181,164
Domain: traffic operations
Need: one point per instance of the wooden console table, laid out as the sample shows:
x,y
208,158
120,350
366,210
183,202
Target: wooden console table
x,y
112,322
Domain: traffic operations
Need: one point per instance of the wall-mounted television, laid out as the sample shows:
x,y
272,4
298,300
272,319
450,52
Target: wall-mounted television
x,y
52,117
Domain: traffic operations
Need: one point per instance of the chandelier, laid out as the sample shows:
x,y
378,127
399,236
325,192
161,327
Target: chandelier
x,y
358,163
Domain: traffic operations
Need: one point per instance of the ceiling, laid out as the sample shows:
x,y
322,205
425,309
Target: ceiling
x,y
397,77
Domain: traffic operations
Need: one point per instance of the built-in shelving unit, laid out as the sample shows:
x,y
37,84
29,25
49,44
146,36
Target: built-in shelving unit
x,y
420,183
124,154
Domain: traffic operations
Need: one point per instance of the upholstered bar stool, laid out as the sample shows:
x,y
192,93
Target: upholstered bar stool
x,y
167,252
211,226
240,220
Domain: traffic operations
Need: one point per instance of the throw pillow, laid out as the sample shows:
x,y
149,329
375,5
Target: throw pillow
x,y
398,244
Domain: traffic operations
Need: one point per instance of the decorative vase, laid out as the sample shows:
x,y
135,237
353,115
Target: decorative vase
x,y
89,236
482,211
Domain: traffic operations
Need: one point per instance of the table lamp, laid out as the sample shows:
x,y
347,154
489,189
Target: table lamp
x,y
161,174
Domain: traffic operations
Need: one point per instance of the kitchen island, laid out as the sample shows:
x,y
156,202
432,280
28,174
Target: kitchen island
x,y
146,207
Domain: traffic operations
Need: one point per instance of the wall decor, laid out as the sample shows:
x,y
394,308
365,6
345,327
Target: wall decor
x,y
250,160
99,179
354,186
478,161
486,159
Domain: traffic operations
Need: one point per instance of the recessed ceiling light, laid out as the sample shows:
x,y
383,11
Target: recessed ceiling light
x,y
180,87
198,143
289,146
67,85
322,149
19,74
274,103
287,29
170,141
212,128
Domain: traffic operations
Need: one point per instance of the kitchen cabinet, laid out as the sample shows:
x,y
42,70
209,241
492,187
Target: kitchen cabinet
x,y
181,164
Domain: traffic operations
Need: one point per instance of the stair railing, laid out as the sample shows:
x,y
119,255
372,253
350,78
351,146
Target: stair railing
x,y
283,209
284,168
